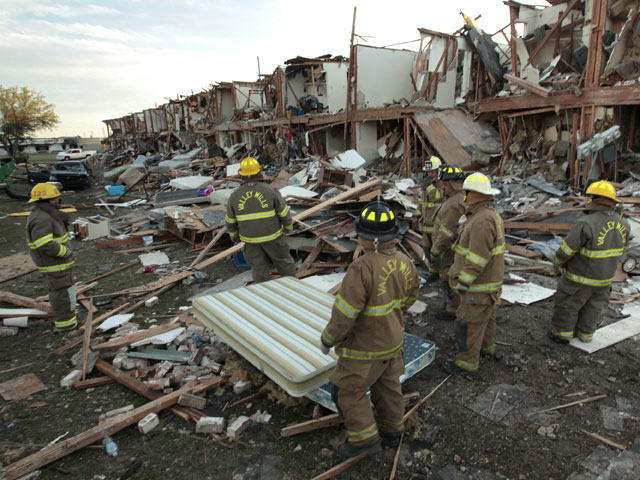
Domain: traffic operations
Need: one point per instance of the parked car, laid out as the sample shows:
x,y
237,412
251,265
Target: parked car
x,y
72,174
75,154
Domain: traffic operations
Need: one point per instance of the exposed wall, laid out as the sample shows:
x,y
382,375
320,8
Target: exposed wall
x,y
336,77
335,140
383,75
367,140
297,84
226,105
248,91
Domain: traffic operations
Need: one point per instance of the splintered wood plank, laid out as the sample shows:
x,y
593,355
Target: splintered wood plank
x,y
109,427
609,335
21,301
134,337
15,266
21,387
327,421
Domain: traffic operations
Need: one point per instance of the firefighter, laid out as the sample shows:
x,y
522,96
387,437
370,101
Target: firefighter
x,y
367,331
476,275
445,229
258,215
48,241
588,258
431,198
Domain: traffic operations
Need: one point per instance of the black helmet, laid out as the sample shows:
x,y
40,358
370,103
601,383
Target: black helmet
x,y
451,172
377,222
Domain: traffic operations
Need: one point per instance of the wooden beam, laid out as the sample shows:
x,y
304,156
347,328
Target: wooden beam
x,y
512,43
93,382
21,301
134,337
86,339
327,421
209,246
123,378
605,96
530,86
115,270
109,427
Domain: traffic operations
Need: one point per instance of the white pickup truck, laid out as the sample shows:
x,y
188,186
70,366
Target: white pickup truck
x,y
75,154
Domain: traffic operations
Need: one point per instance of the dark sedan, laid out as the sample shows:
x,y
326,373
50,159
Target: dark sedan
x,y
72,174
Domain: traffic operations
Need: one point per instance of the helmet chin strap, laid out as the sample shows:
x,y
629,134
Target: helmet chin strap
x,y
375,244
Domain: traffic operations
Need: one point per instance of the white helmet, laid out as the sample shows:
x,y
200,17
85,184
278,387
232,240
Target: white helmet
x,y
479,182
434,163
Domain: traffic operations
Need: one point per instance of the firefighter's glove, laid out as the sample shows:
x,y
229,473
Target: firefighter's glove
x,y
324,349
461,287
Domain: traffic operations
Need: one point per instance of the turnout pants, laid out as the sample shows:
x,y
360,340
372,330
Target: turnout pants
x,y
352,379
578,307
446,260
261,255
62,297
475,328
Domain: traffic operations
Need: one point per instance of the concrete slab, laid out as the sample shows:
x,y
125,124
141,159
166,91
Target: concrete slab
x,y
498,400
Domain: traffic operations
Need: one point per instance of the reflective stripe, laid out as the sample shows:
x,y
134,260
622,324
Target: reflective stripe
x,y
467,277
468,366
360,355
485,287
381,310
447,233
388,426
489,350
430,204
345,307
568,334
256,216
288,227
614,252
477,259
327,338
62,239
435,251
40,242
57,268
567,249
66,323
62,252
584,337
428,229
228,219
363,435
266,238
557,261
498,250
592,282
233,234
284,211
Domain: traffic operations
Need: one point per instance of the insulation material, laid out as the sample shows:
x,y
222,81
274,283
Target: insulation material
x,y
349,160
325,282
115,321
162,338
276,326
297,191
524,293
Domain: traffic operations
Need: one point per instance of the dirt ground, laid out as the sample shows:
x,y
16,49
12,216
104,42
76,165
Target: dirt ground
x,y
445,440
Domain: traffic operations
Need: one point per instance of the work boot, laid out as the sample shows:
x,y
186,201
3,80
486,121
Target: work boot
x,y
492,355
557,338
348,450
390,440
445,316
452,368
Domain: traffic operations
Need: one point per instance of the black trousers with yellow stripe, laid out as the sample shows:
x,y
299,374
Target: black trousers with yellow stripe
x,y
352,379
58,284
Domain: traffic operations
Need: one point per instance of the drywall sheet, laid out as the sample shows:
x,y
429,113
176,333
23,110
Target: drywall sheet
x,y
276,326
383,76
524,293
609,335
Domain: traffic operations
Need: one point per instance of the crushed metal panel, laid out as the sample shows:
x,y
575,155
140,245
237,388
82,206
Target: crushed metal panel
x,y
276,326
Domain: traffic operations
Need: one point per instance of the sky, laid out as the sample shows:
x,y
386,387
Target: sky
x,y
97,60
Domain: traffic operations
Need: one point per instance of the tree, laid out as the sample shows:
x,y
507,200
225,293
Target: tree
x,y
22,113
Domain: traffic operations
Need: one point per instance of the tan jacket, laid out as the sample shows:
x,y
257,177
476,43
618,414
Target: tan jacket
x,y
257,213
431,199
446,223
590,253
48,239
367,317
479,258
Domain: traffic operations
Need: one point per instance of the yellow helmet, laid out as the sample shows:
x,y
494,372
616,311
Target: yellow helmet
x,y
43,191
602,188
433,163
249,166
479,182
